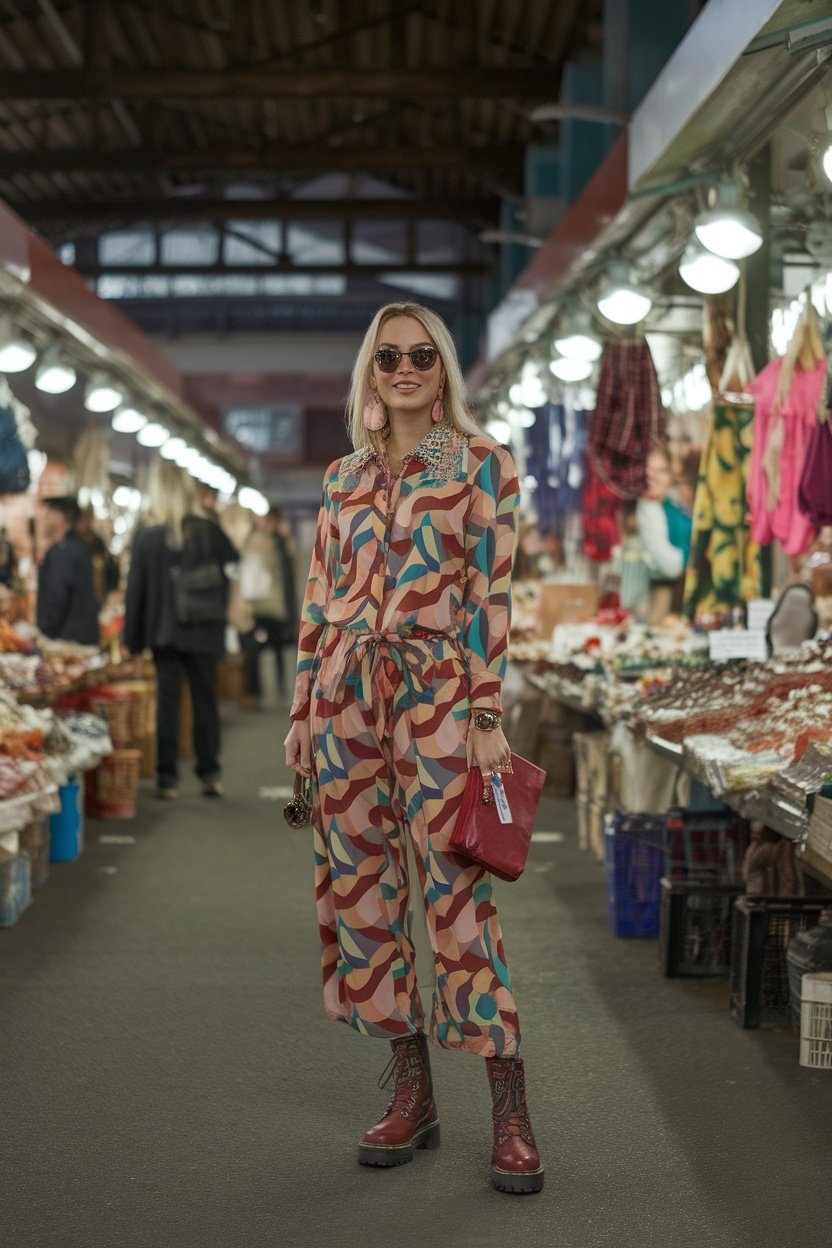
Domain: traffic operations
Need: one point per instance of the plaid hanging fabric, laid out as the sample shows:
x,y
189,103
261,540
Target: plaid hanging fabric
x,y
628,418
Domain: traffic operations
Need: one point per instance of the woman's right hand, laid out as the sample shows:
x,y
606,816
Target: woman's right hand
x,y
298,745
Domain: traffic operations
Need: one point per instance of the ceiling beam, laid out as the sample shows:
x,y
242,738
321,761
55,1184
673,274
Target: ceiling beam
x,y
529,83
289,158
458,268
62,211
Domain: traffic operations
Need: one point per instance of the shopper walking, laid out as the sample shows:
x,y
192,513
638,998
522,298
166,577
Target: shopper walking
x,y
176,606
267,586
67,609
401,659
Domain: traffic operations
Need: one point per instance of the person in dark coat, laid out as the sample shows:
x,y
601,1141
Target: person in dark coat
x,y
176,604
66,609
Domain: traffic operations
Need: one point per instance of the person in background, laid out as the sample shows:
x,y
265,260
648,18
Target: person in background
x,y
527,553
105,569
267,586
664,532
176,605
67,609
8,562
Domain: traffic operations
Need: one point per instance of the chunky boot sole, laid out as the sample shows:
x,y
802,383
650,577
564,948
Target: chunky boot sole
x,y
399,1154
511,1181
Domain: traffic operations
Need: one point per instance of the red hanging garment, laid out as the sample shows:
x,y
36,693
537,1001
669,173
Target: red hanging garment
x,y
815,491
628,418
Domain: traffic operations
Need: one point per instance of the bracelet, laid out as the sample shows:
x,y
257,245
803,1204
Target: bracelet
x,y
487,721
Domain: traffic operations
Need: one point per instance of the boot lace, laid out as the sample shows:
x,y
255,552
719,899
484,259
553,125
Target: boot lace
x,y
405,1067
509,1109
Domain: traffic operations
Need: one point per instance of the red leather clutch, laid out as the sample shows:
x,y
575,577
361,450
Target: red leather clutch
x,y
479,832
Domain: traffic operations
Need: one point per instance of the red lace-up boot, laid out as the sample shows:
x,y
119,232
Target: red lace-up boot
x,y
411,1120
515,1162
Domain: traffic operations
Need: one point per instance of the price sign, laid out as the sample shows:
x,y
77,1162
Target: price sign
x,y
758,612
738,643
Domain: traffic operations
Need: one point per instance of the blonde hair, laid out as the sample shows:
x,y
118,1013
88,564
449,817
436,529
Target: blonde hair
x,y
454,404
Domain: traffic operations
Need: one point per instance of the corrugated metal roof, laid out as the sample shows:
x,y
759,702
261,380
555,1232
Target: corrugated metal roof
x,y
80,150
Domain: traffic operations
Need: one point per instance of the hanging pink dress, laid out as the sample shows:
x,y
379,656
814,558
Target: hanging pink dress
x,y
782,518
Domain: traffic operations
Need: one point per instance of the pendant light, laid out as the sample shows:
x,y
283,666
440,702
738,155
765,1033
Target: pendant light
x,y
152,435
172,448
570,370
621,301
17,351
254,501
578,340
128,420
706,272
102,394
55,375
728,229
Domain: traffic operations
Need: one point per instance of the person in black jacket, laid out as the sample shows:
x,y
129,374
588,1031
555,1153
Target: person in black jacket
x,y
176,605
67,609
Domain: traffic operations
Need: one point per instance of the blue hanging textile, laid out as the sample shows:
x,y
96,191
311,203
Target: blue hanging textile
x,y
14,462
556,458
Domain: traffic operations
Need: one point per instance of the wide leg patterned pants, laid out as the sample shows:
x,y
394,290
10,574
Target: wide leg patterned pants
x,y
389,723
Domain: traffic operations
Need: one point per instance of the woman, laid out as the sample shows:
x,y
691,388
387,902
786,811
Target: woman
x,y
664,536
400,667
176,605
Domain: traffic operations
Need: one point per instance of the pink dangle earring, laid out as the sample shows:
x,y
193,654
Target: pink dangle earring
x,y
375,417
436,412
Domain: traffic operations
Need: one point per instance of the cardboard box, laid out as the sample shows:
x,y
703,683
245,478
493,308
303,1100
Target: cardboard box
x,y
566,604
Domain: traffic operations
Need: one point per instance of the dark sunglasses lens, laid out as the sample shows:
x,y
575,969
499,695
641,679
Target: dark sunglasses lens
x,y
423,358
387,360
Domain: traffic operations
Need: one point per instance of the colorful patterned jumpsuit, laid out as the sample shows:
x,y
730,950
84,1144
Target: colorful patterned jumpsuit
x,y
404,626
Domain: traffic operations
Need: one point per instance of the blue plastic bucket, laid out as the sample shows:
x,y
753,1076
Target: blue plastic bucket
x,y
66,828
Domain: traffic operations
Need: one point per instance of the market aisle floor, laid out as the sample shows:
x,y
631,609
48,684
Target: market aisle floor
x,y
168,1078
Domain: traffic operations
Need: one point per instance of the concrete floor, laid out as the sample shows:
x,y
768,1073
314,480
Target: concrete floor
x,y
167,1077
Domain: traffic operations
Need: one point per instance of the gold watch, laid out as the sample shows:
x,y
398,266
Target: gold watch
x,y
487,721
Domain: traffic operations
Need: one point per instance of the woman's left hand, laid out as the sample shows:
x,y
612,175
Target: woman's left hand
x,y
490,751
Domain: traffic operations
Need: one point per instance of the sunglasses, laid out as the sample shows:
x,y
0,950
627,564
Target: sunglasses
x,y
422,358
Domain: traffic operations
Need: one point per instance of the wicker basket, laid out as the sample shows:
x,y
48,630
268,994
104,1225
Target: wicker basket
x,y
117,707
112,789
35,840
141,708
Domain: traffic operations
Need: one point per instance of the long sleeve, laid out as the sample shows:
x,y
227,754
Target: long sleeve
x,y
134,600
489,550
54,592
664,561
318,587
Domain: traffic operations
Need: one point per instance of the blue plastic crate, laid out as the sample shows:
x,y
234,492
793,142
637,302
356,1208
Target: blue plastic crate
x,y
15,888
634,855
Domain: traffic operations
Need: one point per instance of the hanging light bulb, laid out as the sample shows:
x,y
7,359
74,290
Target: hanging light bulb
x,y
254,501
128,420
172,448
521,417
571,370
578,340
728,229
499,430
55,375
620,301
152,434
529,391
827,162
17,351
103,394
188,458
706,272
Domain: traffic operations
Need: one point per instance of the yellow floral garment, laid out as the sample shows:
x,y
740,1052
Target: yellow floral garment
x,y
726,566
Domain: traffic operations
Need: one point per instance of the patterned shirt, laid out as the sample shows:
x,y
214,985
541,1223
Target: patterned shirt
x,y
431,548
